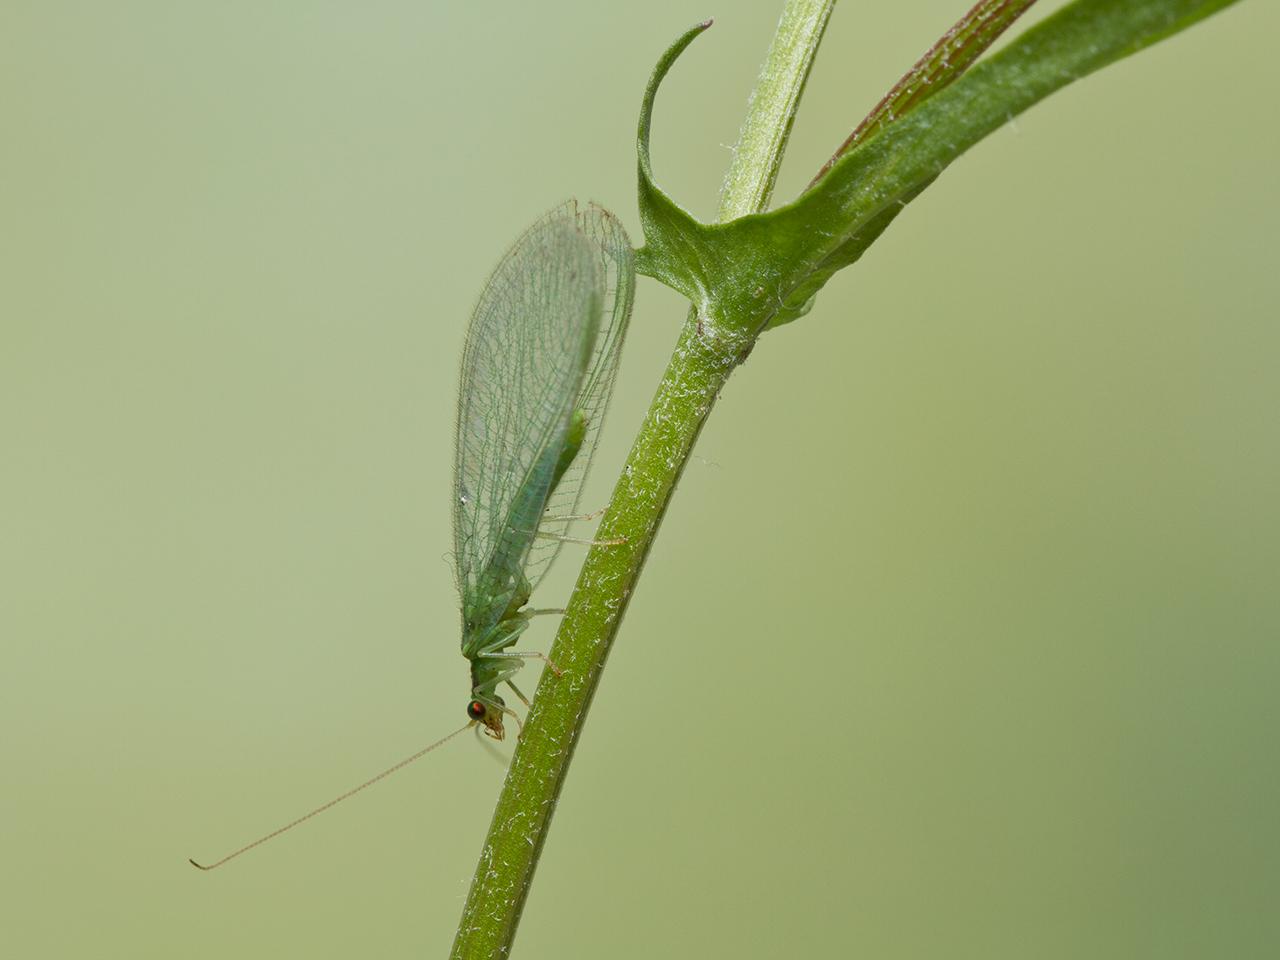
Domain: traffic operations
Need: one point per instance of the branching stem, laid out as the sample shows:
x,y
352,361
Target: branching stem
x,y
705,355
925,122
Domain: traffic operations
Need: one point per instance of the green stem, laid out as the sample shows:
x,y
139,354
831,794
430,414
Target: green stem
x,y
772,110
706,353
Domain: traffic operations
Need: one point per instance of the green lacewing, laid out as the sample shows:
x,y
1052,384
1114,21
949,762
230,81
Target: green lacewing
x,y
538,369
537,372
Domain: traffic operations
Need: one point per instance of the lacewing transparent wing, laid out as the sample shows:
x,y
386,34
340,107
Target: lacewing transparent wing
x,y
537,372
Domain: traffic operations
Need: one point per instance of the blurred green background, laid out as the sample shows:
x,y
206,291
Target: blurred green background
x,y
960,639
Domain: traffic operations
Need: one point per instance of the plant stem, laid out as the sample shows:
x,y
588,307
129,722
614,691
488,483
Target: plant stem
x,y
706,353
946,60
772,110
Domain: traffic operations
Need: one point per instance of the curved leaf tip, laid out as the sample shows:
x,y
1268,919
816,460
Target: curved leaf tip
x,y
660,71
667,227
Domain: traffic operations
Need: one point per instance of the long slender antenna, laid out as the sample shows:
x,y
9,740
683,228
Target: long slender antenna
x,y
335,801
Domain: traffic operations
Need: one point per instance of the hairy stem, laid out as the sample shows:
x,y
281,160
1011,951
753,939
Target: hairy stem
x,y
706,353
952,54
772,110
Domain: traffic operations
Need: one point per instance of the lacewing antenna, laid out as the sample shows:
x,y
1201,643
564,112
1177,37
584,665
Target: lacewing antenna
x,y
334,802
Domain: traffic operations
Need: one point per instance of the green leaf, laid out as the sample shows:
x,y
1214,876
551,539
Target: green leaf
x,y
953,54
673,238
764,269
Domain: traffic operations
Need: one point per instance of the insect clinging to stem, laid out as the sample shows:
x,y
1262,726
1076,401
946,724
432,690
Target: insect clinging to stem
x,y
537,373
538,368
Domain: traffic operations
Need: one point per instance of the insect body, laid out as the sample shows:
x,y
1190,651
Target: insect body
x,y
537,371
538,368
